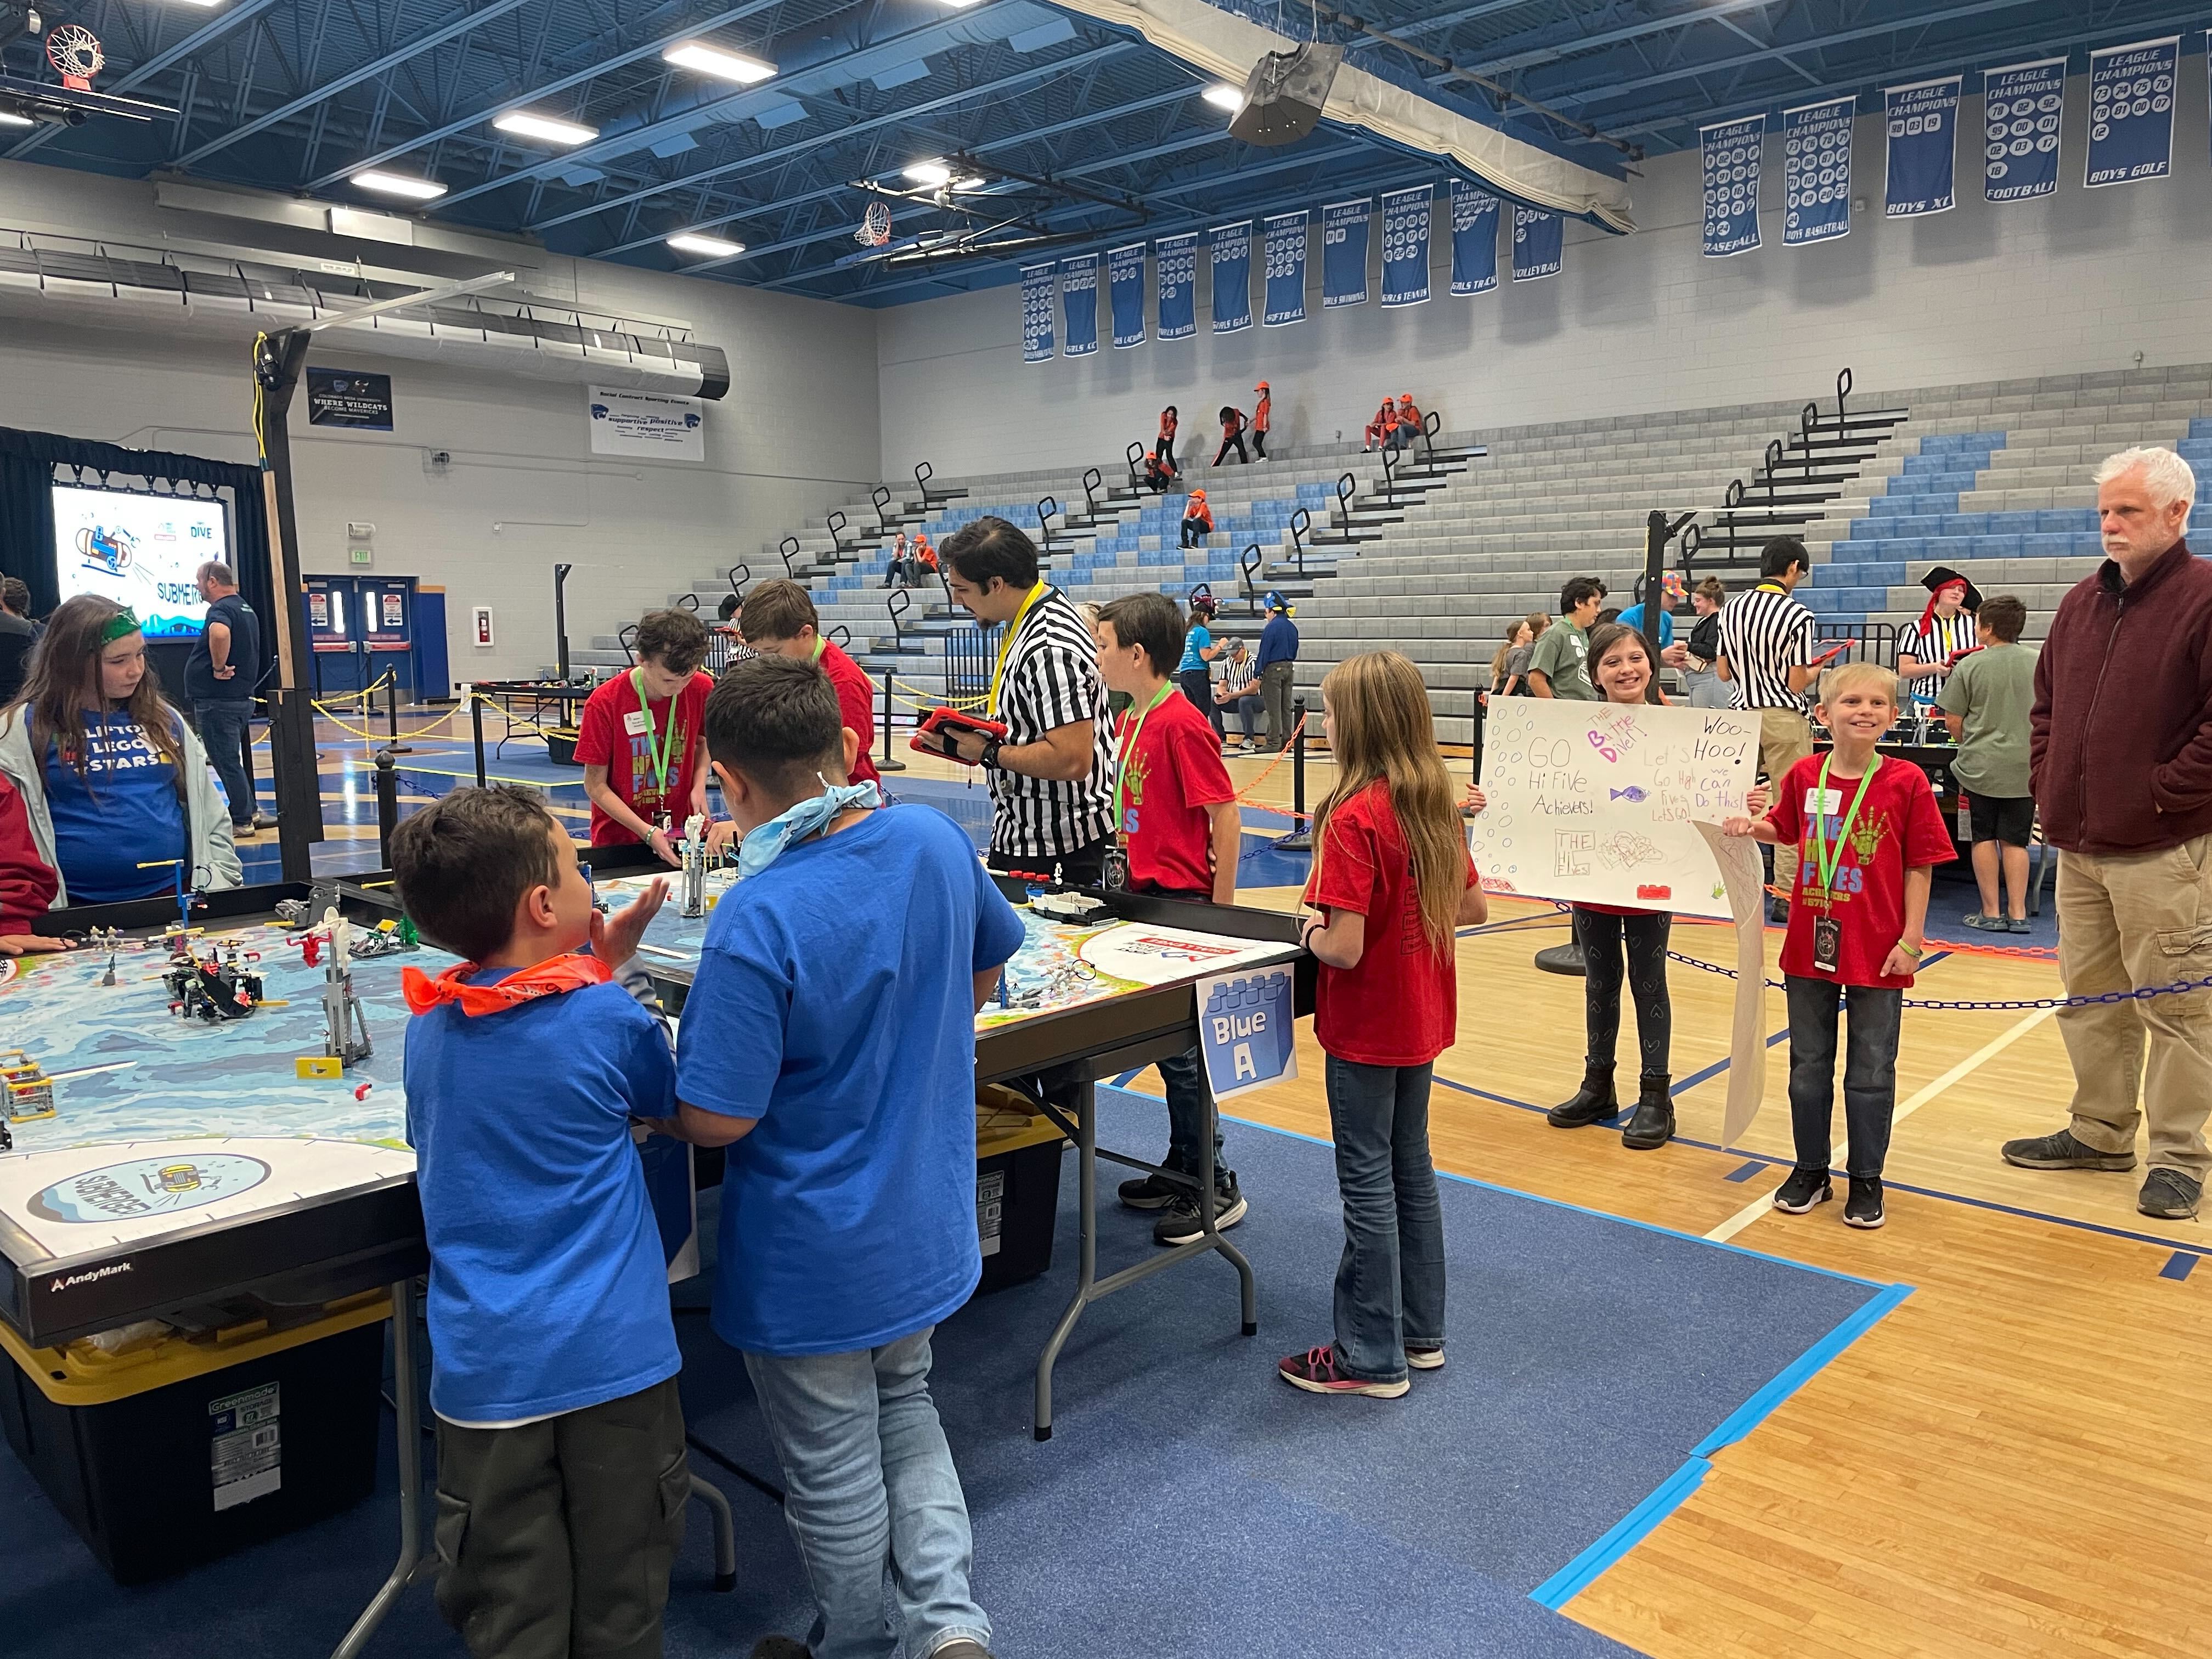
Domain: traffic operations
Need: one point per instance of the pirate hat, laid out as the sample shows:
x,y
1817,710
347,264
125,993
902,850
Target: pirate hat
x,y
1941,576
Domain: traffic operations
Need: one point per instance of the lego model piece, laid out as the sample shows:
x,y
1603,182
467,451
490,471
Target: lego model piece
x,y
29,1091
220,985
695,866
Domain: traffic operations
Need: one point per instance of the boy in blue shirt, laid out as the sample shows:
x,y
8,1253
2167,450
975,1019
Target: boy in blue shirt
x,y
829,1042
561,1478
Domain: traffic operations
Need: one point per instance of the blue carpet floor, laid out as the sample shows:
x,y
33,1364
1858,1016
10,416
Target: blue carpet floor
x,y
1189,1502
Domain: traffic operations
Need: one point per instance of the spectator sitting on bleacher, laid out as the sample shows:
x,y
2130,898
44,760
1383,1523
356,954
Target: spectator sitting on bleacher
x,y
923,564
1165,448
895,568
1380,429
1197,519
1159,469
1945,632
1232,435
1409,423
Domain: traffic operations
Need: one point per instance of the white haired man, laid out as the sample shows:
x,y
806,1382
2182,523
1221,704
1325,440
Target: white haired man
x,y
2122,769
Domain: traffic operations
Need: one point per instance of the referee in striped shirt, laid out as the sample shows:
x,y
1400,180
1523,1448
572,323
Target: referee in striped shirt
x,y
1051,793
1768,646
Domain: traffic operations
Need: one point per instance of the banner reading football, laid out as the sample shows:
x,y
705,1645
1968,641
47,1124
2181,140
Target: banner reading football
x,y
1078,297
1344,254
1175,269
1406,245
1536,244
1125,289
1232,277
1036,314
1475,239
1284,242
1923,133
1731,152
2020,111
2131,112
1816,172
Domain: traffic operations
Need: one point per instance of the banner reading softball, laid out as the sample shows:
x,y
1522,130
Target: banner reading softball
x,y
1406,245
1536,244
1475,239
1125,287
1231,246
1344,253
1731,152
1923,141
1816,172
2131,112
2020,111
1078,297
1036,314
1175,269
1283,242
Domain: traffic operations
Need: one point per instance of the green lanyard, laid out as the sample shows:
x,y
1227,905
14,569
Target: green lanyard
x,y
1132,729
819,644
1824,861
667,752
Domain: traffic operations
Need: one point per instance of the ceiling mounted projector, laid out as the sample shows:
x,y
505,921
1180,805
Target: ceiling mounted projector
x,y
1284,94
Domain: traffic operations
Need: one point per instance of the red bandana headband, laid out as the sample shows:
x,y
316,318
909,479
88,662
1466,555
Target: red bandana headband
x,y
549,978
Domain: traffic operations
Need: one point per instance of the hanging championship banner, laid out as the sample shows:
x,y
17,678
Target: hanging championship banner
x,y
1816,172
1175,269
1232,277
1536,244
2020,110
1036,314
1283,239
1406,245
2131,112
1078,299
1125,287
1344,254
1475,239
1923,133
1731,151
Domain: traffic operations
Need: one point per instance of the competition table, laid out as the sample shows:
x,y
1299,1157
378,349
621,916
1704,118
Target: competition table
x,y
189,1164
551,704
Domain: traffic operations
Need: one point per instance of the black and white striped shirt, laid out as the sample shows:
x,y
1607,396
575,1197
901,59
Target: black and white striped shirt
x,y
1235,675
1763,634
1051,680
1935,643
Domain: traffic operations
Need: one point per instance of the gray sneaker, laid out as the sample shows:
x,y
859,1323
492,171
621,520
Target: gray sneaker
x,y
1982,924
2170,1195
2016,924
2063,1152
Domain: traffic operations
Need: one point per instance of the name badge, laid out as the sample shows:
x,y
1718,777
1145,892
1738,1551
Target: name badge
x,y
637,723
1823,803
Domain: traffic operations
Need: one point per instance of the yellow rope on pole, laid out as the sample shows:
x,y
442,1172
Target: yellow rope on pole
x,y
940,702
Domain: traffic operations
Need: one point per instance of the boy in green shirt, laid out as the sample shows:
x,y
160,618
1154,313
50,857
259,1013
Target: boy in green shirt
x,y
1985,702
1560,667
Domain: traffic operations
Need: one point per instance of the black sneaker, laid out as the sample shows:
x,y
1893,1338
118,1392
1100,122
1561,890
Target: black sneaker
x,y
2063,1152
2170,1195
1180,1225
1804,1188
1153,1193
1863,1207
780,1647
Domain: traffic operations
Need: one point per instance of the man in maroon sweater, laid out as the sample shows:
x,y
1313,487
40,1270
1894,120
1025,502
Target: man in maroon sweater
x,y
2122,766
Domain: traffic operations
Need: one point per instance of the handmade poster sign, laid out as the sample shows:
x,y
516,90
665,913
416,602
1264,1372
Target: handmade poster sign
x,y
1600,802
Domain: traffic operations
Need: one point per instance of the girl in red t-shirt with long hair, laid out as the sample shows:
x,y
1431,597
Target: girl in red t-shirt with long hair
x,y
1165,446
1392,882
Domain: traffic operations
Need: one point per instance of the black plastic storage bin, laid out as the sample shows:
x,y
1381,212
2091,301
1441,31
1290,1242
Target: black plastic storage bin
x,y
1016,1198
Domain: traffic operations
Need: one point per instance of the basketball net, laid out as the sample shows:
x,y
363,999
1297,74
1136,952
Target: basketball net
x,y
875,225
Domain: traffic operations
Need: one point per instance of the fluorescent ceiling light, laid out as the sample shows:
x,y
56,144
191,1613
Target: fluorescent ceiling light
x,y
692,241
7,119
961,5
1229,98
930,172
399,183
523,124
204,4
976,182
713,60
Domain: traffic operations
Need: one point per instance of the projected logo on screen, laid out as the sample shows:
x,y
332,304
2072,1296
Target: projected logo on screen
x,y
144,552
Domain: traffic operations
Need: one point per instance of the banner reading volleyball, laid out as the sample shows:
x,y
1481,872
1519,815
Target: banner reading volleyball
x,y
1175,271
1475,239
1731,152
1924,134
1406,245
1078,299
1283,243
1125,287
2022,108
1231,246
1036,314
1344,253
1536,244
1816,172
2131,112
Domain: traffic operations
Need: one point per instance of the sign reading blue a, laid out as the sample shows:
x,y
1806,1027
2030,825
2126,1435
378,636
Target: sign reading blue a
x,y
1731,152
1923,140
1078,297
1246,1030
2131,112
1816,172
1284,239
1536,244
1406,245
1232,277
1475,239
1175,269
1036,314
1125,287
1344,253
2021,107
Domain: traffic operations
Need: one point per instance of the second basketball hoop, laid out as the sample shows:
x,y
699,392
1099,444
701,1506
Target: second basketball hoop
x,y
875,225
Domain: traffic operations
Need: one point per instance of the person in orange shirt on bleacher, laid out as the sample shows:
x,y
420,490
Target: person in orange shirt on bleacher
x,y
1232,435
1159,471
1165,448
1409,420
924,562
1262,414
1380,429
1197,519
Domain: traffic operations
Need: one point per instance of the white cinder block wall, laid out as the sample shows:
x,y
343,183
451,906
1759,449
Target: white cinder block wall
x,y
2076,282
796,435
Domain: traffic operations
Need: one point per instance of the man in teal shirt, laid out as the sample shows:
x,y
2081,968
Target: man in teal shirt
x,y
1985,701
1560,667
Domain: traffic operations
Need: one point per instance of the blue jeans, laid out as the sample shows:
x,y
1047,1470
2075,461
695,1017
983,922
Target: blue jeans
x,y
871,1487
222,728
1390,1283
1869,1072
1190,1113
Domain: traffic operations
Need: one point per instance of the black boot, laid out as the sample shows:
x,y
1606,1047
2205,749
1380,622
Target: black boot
x,y
1593,1102
1654,1122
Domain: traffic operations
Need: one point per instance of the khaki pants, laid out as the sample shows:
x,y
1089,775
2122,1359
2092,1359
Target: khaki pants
x,y
1786,737
2126,922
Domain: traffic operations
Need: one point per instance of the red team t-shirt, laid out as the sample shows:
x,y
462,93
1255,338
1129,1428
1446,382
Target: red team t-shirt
x,y
1170,776
856,704
605,737
1399,1006
1899,826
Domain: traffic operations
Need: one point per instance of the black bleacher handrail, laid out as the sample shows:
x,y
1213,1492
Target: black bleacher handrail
x,y
687,602
1137,453
836,522
881,495
840,635
789,547
1092,478
738,574
1248,565
1046,507
1431,423
923,472
1301,527
1773,461
968,663
626,639
1346,488
898,605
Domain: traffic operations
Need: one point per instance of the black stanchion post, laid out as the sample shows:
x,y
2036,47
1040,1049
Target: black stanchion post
x,y
887,764
1300,839
387,806
392,704
476,728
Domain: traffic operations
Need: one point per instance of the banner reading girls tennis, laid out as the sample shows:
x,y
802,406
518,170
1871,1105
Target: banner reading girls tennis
x,y
2020,110
1283,240
2131,112
1536,244
1475,239
1816,172
1923,133
1406,245
1344,253
1174,270
1732,152
1036,314
1232,277
1125,287
1079,298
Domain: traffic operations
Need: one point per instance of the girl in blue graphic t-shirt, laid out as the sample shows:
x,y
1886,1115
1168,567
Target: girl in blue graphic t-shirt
x,y
112,777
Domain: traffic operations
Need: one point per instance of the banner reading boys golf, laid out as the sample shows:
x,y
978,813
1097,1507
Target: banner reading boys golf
x,y
2131,112
1231,246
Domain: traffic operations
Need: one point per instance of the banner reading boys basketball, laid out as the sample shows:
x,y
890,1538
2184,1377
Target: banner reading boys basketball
x,y
1406,245
2131,112
1079,298
1537,244
2020,111
1174,270
1036,314
1125,287
1284,239
1923,141
1731,152
1232,277
1344,254
1816,172
1475,239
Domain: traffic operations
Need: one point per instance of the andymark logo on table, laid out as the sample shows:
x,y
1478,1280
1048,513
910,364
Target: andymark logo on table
x,y
658,424
2131,112
2021,107
1406,245
1344,253
1079,298
1537,244
1475,239
1732,152
346,398
1232,277
1816,172
1175,270
1036,314
1924,127
1283,244
1125,289
1246,1030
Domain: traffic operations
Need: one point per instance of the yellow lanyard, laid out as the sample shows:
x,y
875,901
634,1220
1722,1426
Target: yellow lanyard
x,y
1013,628
1826,862
1131,731
666,739
819,644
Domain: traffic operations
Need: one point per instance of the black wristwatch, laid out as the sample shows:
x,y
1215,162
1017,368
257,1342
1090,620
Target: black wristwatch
x,y
990,756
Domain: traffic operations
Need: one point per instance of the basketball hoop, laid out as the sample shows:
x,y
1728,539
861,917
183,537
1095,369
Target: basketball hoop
x,y
875,225
74,51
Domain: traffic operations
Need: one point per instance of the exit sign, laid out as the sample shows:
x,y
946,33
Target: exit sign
x,y
358,555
